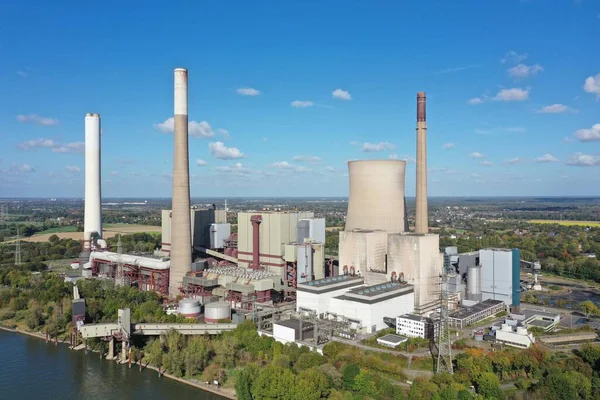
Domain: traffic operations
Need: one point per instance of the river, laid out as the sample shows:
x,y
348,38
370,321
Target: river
x,y
32,369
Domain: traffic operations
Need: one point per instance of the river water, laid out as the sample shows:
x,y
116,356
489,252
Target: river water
x,y
32,369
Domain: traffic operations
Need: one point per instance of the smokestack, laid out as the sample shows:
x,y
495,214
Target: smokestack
x,y
421,221
92,208
181,241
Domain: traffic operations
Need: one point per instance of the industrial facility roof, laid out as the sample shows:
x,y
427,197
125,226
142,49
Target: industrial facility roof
x,y
376,290
414,317
469,311
393,339
330,284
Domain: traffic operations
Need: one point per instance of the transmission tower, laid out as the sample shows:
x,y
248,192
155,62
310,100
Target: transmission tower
x,y
444,356
3,212
18,248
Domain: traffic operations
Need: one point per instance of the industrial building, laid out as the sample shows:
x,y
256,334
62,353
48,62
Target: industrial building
x,y
207,226
500,275
346,296
412,325
475,313
517,336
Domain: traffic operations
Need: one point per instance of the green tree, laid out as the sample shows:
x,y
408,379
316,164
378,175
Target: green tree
x,y
244,381
423,389
274,383
349,372
309,360
196,355
488,385
311,384
153,353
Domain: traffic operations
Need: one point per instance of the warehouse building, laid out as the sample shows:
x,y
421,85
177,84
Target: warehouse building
x,y
475,313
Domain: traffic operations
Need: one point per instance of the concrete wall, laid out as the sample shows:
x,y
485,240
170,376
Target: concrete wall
x,y
276,230
496,274
284,334
418,258
364,250
317,302
371,315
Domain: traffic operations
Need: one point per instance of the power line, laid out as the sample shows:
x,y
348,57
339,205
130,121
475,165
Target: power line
x,y
18,248
444,356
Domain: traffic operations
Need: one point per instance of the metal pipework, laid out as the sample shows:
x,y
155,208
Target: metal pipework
x,y
421,220
256,220
181,241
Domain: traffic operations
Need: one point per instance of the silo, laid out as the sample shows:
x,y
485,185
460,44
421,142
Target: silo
x,y
189,308
376,200
473,283
215,312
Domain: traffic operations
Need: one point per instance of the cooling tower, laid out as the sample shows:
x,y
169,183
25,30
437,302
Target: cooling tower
x,y
92,208
181,240
376,199
421,221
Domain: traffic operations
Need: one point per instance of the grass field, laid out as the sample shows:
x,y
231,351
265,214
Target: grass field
x,y
110,230
594,224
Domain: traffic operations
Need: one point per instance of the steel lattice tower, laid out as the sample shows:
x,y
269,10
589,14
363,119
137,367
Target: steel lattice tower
x,y
444,356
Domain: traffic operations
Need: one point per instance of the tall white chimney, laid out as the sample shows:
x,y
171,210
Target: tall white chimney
x,y
421,216
93,208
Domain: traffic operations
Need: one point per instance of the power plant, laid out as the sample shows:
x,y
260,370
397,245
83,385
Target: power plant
x,y
276,264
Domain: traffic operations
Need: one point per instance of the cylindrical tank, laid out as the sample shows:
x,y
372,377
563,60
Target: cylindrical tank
x,y
473,284
189,308
521,330
376,200
215,312
478,336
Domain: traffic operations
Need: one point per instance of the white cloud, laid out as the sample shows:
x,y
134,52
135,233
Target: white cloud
x,y
22,73
329,168
515,129
514,94
584,160
26,168
265,139
73,168
524,71
248,91
405,157
512,57
74,147
114,173
486,163
447,146
455,69
201,163
476,154
483,131
36,119
567,139
515,160
554,109
222,152
588,135
341,94
196,129
286,165
476,100
372,147
592,85
307,158
547,158
223,132
302,103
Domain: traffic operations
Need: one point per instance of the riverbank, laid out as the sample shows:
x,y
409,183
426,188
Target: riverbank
x,y
223,392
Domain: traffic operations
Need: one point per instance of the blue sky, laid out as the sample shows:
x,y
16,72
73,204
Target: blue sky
x,y
284,93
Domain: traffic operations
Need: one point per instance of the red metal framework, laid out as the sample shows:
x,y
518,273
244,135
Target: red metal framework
x,y
147,279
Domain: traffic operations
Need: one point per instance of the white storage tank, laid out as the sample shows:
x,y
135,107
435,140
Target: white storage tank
x,y
215,312
473,282
189,308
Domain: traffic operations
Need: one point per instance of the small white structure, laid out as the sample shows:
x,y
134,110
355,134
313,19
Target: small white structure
x,y
189,308
392,341
289,331
517,337
218,311
413,325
